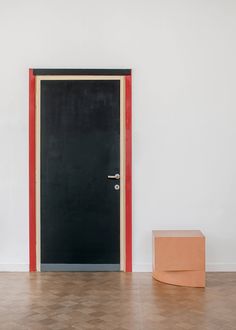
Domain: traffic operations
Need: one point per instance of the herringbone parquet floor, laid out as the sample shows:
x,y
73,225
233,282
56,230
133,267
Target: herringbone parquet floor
x,y
114,301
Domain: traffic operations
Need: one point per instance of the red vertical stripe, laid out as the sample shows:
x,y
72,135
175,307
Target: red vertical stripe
x,y
32,192
32,178
128,190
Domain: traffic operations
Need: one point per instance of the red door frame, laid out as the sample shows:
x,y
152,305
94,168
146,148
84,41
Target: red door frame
x,y
32,166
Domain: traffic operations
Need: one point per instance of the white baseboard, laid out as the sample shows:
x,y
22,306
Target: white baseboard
x,y
210,267
220,267
142,268
14,268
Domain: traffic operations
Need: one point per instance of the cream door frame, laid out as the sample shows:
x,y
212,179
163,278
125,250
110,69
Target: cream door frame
x,y
122,158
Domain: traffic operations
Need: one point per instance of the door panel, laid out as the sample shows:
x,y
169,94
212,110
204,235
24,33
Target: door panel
x,y
80,147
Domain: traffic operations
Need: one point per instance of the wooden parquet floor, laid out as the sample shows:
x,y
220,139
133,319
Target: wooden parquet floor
x,y
114,301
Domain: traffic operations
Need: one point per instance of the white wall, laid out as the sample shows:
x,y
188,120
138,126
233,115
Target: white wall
x,y
184,110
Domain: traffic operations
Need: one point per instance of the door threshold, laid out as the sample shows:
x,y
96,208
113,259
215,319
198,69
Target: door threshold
x,y
80,267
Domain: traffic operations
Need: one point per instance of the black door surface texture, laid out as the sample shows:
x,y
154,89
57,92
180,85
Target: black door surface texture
x,y
80,147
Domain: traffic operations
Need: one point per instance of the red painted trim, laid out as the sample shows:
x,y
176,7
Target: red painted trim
x,y
128,170
32,171
32,191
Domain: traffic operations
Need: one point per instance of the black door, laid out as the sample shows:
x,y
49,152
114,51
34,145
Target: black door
x,y
80,147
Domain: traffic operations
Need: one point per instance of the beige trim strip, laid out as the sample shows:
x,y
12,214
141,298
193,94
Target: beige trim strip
x,y
37,175
122,174
122,158
80,77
